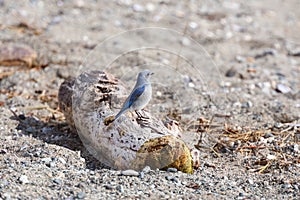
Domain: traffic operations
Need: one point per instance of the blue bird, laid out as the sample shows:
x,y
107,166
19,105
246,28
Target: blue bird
x,y
140,95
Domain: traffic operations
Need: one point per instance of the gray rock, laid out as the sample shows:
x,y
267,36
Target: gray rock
x,y
172,178
146,170
296,147
23,179
108,187
138,8
46,160
142,175
63,161
283,88
251,182
6,196
120,188
57,181
172,170
231,72
52,164
81,195
268,135
130,172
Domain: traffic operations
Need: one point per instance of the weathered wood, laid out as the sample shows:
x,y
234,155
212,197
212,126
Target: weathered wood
x,y
128,142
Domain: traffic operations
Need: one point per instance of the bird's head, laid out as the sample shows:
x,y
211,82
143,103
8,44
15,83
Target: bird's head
x,y
146,74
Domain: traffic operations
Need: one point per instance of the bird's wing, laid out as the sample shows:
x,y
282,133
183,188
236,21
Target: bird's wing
x,y
133,97
135,94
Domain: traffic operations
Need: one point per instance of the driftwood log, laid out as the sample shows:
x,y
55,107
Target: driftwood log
x,y
128,143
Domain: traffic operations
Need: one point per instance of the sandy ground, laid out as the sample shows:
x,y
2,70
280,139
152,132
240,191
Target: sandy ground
x,y
246,80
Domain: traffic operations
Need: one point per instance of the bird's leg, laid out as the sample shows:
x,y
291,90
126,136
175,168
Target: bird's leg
x,y
140,116
145,116
142,120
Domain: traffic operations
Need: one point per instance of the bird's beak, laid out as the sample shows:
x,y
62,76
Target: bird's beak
x,y
151,73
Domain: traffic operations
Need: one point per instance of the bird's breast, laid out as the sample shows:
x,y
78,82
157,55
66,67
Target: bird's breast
x,y
143,100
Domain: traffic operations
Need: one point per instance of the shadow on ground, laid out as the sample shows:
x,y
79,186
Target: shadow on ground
x,y
56,133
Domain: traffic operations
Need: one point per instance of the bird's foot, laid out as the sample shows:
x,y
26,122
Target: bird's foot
x,y
143,120
142,116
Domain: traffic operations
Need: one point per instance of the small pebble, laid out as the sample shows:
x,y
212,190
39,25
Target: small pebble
x,y
225,84
247,104
108,187
271,157
56,20
231,5
79,3
146,170
57,181
3,151
268,135
150,7
191,85
80,195
240,59
3,183
171,169
138,8
63,161
152,186
286,186
46,160
294,52
120,188
130,172
179,13
172,178
23,179
193,25
251,182
59,59
22,117
37,154
6,196
142,175
265,53
175,180
52,164
231,72
185,41
296,147
282,88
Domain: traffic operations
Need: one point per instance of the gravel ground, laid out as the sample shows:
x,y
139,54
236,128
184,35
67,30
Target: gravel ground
x,y
253,155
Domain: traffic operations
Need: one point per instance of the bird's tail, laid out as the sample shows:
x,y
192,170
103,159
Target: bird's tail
x,y
120,113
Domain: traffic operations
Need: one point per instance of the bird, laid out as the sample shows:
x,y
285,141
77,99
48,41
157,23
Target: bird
x,y
140,95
